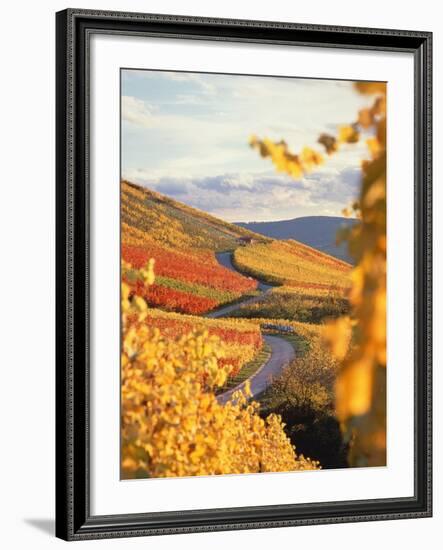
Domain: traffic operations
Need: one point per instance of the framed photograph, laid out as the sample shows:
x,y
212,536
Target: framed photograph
x,y
243,274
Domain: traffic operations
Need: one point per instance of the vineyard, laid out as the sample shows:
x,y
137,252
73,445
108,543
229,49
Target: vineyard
x,y
172,423
186,282
145,213
180,243
183,242
178,361
241,339
295,265
297,304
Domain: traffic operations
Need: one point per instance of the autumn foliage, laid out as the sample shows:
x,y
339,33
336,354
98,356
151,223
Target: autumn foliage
x,y
361,385
187,266
172,423
174,360
241,340
189,278
358,340
186,282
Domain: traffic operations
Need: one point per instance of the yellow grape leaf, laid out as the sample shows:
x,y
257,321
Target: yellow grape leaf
x,y
338,336
365,118
376,192
373,146
371,87
353,389
348,134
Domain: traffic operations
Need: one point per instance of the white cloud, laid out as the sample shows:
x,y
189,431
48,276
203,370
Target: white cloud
x,y
189,139
136,111
260,196
200,80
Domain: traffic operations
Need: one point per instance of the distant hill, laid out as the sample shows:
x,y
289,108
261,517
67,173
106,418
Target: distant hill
x,y
316,231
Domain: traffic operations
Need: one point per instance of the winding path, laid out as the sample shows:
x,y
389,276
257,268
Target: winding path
x,y
282,353
225,259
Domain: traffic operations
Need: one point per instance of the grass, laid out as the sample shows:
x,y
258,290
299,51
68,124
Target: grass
x,y
249,369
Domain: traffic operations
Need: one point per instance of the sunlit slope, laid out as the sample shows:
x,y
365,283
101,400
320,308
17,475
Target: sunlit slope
x,y
183,242
145,213
295,266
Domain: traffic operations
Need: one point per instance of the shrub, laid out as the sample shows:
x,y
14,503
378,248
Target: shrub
x,y
304,397
299,307
172,423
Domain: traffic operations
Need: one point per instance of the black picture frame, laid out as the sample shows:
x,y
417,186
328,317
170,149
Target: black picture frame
x,y
74,28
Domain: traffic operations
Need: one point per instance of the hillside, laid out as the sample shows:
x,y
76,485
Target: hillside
x,y
311,285
316,231
292,264
145,213
183,242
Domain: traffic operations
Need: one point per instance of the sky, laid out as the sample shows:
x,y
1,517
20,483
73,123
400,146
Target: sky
x,y
186,135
